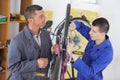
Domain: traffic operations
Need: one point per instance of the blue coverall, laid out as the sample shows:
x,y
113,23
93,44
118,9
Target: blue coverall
x,y
95,58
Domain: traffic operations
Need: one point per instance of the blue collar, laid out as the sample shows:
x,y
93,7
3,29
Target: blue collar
x,y
103,45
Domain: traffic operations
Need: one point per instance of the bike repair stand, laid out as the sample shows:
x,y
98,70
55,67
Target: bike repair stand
x,y
73,76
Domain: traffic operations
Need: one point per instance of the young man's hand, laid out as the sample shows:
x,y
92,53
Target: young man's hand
x,y
72,26
75,57
70,47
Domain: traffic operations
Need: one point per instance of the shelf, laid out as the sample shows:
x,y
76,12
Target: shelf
x,y
3,71
2,47
15,21
6,8
18,21
3,22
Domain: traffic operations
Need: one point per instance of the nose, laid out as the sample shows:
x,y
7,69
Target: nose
x,y
90,32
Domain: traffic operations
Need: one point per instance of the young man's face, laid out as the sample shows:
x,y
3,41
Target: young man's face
x,y
95,33
39,18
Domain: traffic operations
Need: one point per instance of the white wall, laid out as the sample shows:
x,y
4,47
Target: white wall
x,y
108,9
59,8
14,9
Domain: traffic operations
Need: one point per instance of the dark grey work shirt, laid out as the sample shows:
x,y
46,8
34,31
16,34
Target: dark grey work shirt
x,y
23,54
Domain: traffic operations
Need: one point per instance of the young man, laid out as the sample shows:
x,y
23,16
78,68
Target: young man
x,y
98,53
30,51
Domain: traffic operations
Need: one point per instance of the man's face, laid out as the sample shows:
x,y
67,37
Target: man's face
x,y
39,18
95,33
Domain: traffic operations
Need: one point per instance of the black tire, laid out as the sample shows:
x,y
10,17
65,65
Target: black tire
x,y
85,21
56,75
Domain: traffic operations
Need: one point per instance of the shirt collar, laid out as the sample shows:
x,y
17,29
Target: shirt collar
x,y
29,33
34,34
103,45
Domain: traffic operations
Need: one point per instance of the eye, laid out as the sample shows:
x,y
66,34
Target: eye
x,y
92,30
41,16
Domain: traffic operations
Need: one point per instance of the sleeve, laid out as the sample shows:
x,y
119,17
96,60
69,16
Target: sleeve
x,y
83,29
15,63
96,66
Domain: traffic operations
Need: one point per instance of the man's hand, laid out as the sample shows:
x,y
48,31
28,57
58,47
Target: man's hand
x,y
42,62
54,49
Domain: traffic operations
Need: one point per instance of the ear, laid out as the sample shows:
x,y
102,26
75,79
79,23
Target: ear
x,y
30,20
103,33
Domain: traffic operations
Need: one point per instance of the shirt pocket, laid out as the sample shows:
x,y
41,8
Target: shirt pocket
x,y
27,76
